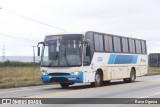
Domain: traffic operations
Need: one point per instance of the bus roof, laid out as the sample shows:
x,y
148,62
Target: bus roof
x,y
84,32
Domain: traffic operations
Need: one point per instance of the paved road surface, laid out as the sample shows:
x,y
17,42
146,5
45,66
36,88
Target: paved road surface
x,y
143,87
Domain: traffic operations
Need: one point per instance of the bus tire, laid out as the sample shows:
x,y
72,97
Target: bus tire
x,y
132,77
64,85
98,80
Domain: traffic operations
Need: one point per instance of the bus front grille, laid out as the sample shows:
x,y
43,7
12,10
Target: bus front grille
x,y
59,79
58,74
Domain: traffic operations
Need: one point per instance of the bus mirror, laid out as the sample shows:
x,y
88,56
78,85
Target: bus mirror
x,y
38,51
39,47
88,51
85,43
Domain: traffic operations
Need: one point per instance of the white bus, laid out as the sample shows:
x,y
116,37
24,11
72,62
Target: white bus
x,y
92,57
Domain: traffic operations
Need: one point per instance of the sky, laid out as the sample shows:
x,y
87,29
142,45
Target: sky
x,y
20,28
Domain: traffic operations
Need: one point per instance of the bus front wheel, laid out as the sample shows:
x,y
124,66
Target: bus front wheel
x,y
98,80
64,85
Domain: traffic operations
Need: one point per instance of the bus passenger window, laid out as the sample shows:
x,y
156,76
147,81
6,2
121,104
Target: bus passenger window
x,y
117,44
108,43
124,44
131,45
98,42
138,46
143,47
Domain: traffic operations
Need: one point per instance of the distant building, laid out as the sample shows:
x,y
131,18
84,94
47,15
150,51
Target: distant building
x,y
154,59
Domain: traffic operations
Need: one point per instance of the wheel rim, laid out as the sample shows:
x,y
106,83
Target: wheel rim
x,y
132,76
98,79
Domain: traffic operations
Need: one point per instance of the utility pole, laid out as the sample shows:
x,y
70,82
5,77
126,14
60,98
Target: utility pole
x,y
34,54
3,53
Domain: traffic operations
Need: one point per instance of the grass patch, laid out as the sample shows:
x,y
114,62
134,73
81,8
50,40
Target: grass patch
x,y
153,71
19,76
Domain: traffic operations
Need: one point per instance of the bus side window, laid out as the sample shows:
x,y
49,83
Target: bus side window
x,y
138,46
143,47
108,43
98,39
117,44
96,42
89,39
87,55
124,44
131,45
90,42
101,47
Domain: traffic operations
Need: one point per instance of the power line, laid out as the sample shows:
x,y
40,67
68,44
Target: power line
x,y
16,37
31,19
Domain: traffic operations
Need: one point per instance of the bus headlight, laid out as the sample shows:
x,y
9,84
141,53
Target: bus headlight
x,y
44,72
76,72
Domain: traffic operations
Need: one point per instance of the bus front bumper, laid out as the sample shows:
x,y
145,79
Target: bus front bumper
x,y
63,79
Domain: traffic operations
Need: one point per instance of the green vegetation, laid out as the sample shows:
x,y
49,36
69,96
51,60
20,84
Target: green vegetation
x,y
17,64
19,76
153,71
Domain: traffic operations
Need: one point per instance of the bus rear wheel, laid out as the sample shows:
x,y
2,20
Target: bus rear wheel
x,y
64,85
98,80
132,77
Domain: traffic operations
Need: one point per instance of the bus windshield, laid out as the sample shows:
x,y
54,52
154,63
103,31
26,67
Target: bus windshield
x,y
63,50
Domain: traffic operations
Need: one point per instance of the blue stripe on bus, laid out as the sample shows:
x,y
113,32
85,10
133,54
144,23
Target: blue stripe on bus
x,y
112,59
122,59
134,60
